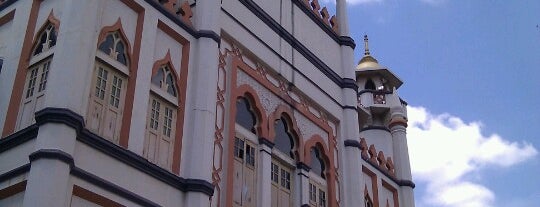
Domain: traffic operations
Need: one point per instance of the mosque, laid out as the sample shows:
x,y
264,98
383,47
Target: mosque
x,y
231,103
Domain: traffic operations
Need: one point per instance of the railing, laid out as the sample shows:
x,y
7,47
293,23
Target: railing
x,y
371,97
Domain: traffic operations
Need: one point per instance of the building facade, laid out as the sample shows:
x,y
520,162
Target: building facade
x,y
195,103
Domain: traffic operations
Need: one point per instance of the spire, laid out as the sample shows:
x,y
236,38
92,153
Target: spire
x,y
367,61
366,46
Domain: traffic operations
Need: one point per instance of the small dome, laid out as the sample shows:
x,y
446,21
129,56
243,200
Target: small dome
x,y
367,61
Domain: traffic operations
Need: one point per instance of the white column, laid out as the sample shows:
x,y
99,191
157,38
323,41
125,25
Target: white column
x,y
200,110
49,176
398,127
264,174
303,184
48,179
350,190
343,19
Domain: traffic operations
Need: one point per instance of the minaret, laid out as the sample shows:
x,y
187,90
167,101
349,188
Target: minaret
x,y
382,118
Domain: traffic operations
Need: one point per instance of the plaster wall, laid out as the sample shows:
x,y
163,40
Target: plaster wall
x,y
381,139
14,30
16,157
78,201
14,200
115,172
316,40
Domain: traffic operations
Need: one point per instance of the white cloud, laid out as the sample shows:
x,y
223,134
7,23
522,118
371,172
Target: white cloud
x,y
444,149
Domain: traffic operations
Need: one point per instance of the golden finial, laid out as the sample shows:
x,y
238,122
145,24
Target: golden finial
x,y
366,47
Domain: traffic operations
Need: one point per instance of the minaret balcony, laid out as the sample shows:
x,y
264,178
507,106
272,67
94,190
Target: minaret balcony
x,y
376,100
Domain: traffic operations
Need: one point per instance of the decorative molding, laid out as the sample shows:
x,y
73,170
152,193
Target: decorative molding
x,y
18,138
74,120
303,166
178,21
376,128
350,107
373,91
111,187
6,4
291,100
209,34
315,85
295,43
266,141
59,116
330,28
347,41
53,154
351,143
7,18
15,172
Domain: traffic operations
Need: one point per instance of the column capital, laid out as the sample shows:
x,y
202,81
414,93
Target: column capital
x,y
397,121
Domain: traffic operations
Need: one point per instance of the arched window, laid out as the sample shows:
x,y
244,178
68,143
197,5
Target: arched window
x,y
317,164
108,90
245,155
370,85
162,117
37,75
283,163
244,114
367,201
47,40
115,47
283,140
317,180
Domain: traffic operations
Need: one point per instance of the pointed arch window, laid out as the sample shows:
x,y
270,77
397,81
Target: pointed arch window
x,y
367,201
115,47
162,116
46,40
245,154
109,83
37,74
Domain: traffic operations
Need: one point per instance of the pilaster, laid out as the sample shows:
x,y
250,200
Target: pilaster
x,y
398,128
265,180
303,183
201,108
48,179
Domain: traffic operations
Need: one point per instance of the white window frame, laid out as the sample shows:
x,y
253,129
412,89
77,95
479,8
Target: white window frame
x,y
99,121
32,99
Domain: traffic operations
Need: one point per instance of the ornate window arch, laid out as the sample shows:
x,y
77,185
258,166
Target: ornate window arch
x,y
284,158
245,162
163,133
367,201
109,83
318,185
38,71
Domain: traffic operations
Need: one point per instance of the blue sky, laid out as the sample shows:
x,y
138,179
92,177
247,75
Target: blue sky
x,y
472,77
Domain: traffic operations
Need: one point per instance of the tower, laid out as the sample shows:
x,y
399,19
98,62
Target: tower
x,y
382,120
